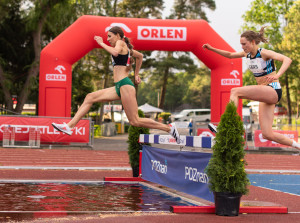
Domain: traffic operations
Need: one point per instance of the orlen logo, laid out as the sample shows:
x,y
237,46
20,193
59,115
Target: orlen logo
x,y
158,167
60,68
234,73
121,25
162,33
57,77
231,81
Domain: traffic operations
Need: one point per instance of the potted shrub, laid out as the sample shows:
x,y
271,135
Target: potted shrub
x,y
134,146
226,169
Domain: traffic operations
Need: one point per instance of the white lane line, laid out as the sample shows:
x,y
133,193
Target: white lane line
x,y
275,190
84,212
50,181
286,184
272,171
62,168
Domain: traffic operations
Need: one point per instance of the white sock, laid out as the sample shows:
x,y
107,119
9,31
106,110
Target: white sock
x,y
296,145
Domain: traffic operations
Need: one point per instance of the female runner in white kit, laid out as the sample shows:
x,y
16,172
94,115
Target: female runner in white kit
x,y
268,90
121,51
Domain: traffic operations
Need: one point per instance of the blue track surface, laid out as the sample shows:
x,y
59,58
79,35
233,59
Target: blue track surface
x,y
279,182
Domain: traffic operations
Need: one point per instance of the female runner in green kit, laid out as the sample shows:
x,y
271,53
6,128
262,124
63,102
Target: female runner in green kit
x,y
122,52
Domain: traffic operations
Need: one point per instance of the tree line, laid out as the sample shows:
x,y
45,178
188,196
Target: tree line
x,y
171,80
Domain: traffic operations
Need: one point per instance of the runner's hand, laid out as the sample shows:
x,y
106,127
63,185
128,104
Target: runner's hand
x,y
270,78
207,46
98,39
137,79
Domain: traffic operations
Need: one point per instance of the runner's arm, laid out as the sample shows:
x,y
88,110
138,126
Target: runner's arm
x,y
112,50
224,53
286,61
138,61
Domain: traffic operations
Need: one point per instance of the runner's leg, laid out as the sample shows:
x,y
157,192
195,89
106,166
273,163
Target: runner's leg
x,y
266,115
260,93
107,94
128,97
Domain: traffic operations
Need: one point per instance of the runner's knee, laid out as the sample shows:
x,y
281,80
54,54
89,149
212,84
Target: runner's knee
x,y
268,135
89,98
134,122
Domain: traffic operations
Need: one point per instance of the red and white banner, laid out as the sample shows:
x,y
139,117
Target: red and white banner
x,y
81,133
259,141
205,132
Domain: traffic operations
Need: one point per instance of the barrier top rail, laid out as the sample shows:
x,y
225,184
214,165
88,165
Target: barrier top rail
x,y
20,126
190,141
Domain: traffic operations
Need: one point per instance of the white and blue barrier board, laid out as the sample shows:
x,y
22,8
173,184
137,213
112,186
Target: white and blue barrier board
x,y
191,141
180,170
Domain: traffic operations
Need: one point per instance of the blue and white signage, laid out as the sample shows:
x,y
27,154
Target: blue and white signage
x,y
180,170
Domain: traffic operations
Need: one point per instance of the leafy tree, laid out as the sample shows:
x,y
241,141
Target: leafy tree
x,y
140,9
21,43
271,13
199,89
291,47
164,70
192,9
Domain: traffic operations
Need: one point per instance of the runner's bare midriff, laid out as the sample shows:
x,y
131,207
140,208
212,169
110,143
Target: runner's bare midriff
x,y
262,80
120,72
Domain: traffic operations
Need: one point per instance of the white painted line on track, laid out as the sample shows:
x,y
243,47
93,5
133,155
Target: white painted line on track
x,y
276,190
62,168
50,181
83,212
271,171
286,184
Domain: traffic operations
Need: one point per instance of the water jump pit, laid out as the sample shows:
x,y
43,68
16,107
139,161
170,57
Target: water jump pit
x,y
29,200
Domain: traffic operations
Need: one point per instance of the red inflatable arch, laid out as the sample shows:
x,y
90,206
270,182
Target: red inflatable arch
x,y
145,34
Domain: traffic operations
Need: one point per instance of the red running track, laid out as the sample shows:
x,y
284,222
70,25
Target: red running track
x,y
63,158
88,158
92,158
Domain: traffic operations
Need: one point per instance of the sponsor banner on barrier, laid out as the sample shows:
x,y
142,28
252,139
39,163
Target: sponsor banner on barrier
x,y
180,170
81,133
191,141
261,142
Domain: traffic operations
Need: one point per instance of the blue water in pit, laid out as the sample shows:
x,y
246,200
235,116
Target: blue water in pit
x,y
23,201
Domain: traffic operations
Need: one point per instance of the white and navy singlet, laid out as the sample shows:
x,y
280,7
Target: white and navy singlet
x,y
258,66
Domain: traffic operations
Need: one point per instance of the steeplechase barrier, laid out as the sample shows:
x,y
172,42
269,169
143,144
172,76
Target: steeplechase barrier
x,y
190,141
183,171
9,137
36,131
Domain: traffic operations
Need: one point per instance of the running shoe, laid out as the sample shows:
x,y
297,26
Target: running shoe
x,y
173,132
212,127
62,128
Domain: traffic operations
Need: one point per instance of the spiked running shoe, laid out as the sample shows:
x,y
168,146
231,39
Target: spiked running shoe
x,y
62,128
173,132
212,127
